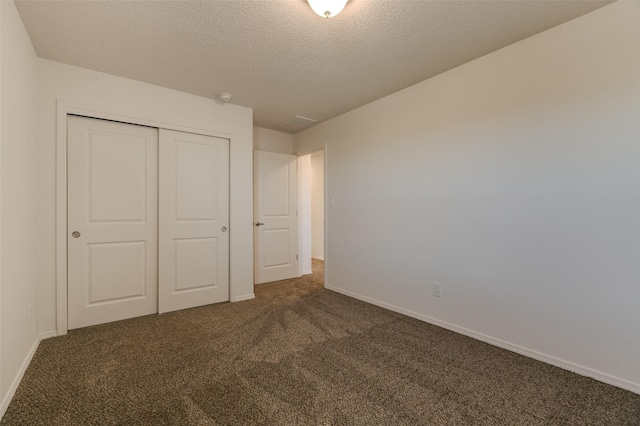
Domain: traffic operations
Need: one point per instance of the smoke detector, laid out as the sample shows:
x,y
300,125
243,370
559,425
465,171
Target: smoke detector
x,y
224,96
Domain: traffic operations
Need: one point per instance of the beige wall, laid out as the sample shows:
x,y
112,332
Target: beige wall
x,y
18,235
272,140
514,182
95,91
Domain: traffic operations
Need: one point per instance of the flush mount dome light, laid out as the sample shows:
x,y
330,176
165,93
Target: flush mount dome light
x,y
327,8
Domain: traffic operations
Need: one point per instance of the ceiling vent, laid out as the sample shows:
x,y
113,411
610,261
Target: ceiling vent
x,y
299,122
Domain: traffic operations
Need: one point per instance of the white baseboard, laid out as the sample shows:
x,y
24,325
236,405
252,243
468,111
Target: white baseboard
x,y
307,272
566,365
244,297
318,258
20,374
48,334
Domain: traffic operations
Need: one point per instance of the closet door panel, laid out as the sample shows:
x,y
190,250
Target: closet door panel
x,y
112,221
193,220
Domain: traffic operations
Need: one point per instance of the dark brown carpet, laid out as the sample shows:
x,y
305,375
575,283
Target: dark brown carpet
x,y
299,355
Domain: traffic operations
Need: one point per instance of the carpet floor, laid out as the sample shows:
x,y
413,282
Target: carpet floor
x,y
299,354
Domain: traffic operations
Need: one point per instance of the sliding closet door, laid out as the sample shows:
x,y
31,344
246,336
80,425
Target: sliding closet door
x,y
193,220
112,221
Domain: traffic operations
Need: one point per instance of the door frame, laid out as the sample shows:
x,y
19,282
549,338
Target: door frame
x,y
326,214
304,215
64,109
325,183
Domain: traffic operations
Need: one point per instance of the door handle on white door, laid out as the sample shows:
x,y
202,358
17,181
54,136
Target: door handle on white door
x,y
224,229
75,234
259,223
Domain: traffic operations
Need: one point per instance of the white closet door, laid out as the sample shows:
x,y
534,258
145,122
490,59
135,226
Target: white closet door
x,y
193,220
112,221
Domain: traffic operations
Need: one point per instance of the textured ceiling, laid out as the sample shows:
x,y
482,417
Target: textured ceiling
x,y
277,56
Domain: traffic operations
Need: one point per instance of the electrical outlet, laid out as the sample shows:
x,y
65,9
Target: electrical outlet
x,y
29,310
436,289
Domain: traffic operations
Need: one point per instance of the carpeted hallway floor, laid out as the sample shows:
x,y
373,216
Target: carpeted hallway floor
x,y
299,355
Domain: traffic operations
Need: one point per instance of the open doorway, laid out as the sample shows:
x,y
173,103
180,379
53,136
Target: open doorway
x,y
317,205
311,181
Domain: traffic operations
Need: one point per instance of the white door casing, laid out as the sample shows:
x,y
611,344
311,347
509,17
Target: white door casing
x,y
275,219
112,221
193,220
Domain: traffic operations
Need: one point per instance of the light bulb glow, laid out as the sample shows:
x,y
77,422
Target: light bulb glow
x,y
327,8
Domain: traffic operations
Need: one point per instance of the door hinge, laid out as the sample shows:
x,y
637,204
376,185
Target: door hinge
x,y
296,257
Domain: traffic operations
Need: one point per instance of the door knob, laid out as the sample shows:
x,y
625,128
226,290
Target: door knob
x,y
224,229
259,223
75,234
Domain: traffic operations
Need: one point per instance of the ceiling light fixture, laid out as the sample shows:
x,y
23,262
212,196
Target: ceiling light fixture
x,y
327,8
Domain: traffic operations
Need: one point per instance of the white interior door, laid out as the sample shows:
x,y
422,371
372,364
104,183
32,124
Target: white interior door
x,y
112,221
275,203
194,220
